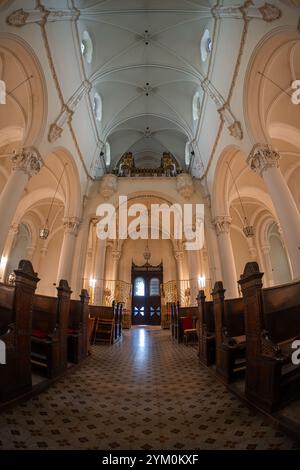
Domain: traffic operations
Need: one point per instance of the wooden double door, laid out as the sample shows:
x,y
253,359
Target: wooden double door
x,y
146,294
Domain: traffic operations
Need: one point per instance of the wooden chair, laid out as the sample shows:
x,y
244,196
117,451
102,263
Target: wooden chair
x,y
104,323
189,330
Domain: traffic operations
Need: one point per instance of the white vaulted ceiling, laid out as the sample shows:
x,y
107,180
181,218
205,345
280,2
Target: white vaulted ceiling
x,y
146,67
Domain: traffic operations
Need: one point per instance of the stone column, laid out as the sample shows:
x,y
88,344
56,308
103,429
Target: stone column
x,y
80,259
268,266
222,224
193,265
252,248
116,255
99,270
25,164
264,160
71,225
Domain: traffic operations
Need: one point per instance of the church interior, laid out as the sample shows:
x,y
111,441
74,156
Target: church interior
x,y
136,342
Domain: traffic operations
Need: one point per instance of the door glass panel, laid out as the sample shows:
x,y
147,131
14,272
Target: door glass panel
x,y
154,311
139,311
139,287
154,286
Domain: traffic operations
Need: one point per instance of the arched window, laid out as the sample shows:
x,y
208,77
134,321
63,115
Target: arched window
x,y
107,154
187,154
196,106
87,47
154,286
205,45
139,287
97,107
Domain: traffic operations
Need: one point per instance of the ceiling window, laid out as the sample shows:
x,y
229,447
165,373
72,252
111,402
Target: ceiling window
x,y
205,45
196,106
187,154
97,107
86,46
107,154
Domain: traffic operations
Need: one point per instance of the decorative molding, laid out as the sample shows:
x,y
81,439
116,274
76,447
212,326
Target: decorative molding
x,y
71,225
27,160
41,16
269,12
108,185
185,185
262,157
226,114
222,224
266,12
66,114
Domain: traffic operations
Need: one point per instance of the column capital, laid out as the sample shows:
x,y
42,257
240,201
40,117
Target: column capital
x,y
262,157
71,225
222,224
27,160
116,255
178,254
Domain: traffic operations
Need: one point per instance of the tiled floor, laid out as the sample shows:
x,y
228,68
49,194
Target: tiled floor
x,y
145,392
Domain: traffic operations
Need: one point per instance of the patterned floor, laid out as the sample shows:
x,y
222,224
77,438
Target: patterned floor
x,y
145,392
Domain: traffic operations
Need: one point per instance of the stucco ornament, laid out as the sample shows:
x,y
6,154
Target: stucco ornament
x,y
185,185
108,185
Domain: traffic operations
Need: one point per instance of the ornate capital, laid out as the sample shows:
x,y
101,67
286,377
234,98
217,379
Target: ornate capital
x,y
71,225
262,157
269,12
178,255
116,255
27,160
222,224
18,18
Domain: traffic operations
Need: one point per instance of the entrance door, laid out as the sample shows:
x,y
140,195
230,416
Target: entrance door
x,y
146,300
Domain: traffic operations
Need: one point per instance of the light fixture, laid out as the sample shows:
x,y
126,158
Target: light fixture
x,y
147,253
93,283
248,229
44,231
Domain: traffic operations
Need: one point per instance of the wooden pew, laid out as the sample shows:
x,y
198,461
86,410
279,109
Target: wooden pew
x,y
15,326
172,320
206,330
118,321
272,319
181,312
50,330
77,331
106,322
230,335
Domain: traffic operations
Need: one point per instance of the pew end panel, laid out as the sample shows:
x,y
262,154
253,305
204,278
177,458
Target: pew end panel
x,y
16,303
272,323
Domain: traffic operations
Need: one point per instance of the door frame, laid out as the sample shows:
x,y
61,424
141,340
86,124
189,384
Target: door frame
x,y
147,271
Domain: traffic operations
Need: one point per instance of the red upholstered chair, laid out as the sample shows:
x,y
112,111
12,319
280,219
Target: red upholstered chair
x,y
189,330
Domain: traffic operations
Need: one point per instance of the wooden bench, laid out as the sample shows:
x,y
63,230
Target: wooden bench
x,y
77,331
118,321
50,322
206,330
15,327
272,319
230,335
173,321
